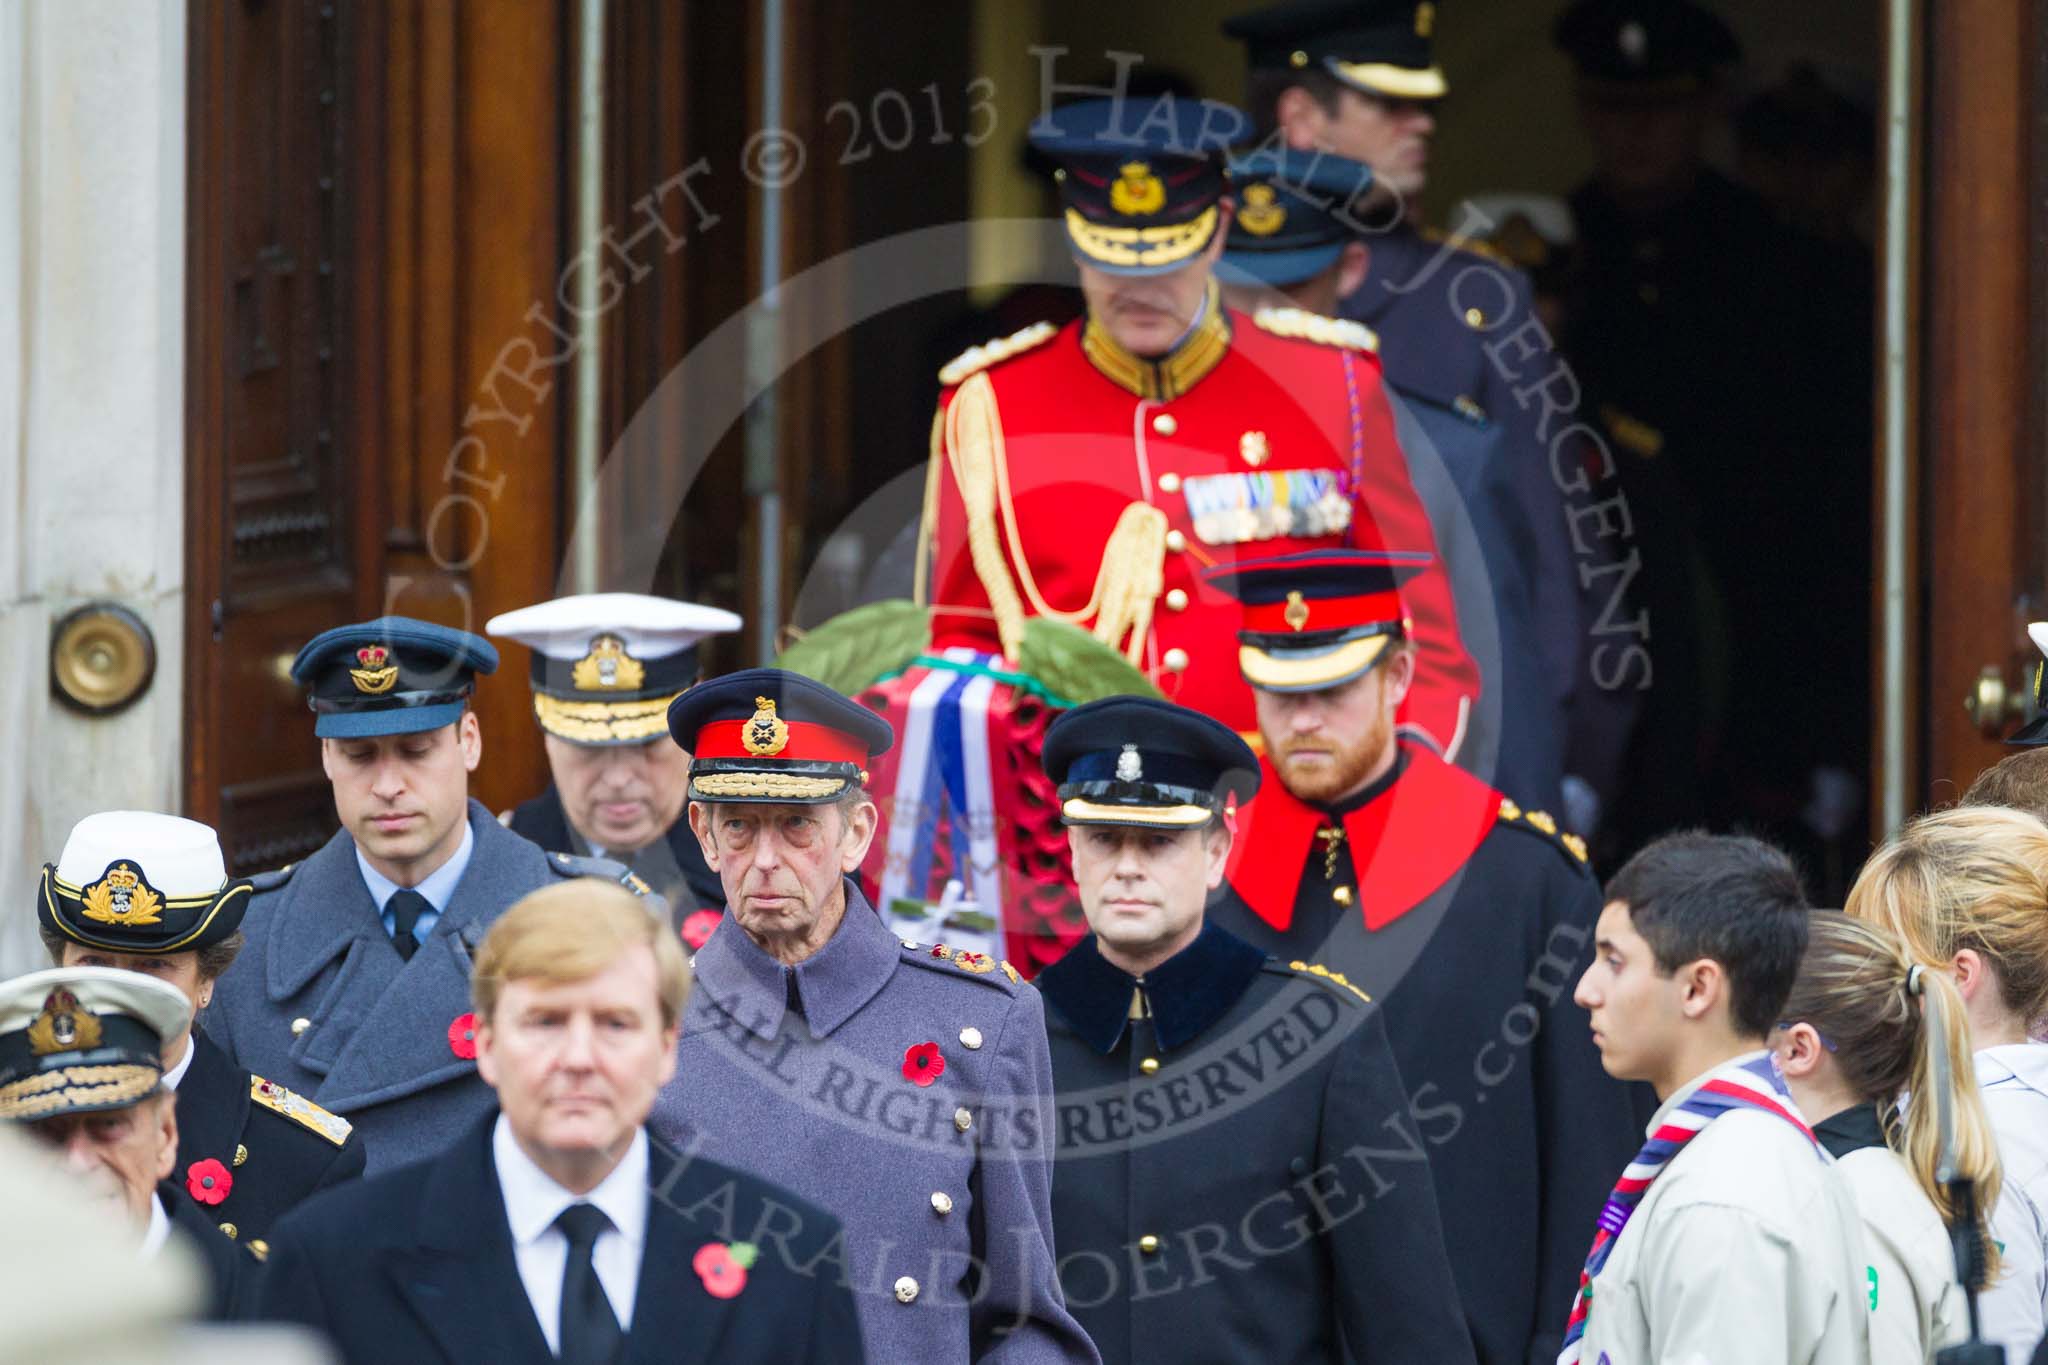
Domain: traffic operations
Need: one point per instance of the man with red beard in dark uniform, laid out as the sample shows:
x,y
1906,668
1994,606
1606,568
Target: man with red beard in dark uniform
x,y
1467,917
1083,479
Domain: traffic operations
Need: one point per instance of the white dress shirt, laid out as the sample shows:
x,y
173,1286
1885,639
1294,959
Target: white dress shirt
x,y
159,1230
177,1073
1746,1248
438,887
533,1201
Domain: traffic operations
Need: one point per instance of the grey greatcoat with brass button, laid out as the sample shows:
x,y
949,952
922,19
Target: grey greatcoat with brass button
x,y
320,1001
944,1186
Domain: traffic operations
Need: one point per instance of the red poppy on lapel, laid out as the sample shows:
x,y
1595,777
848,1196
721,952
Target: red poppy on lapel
x,y
462,1037
723,1267
922,1064
696,930
208,1181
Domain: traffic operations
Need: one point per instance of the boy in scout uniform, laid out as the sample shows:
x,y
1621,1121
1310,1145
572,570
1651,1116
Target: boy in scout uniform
x,y
902,1086
148,893
605,668
1087,476
1464,914
353,989
1216,1197
81,1072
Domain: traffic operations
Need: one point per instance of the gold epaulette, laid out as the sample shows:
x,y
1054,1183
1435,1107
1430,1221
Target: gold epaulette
x,y
1303,325
1478,246
1634,433
1337,978
975,359
1543,823
299,1109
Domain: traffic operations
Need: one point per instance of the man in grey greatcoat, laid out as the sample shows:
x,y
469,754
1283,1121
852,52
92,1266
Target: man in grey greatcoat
x,y
353,989
904,1087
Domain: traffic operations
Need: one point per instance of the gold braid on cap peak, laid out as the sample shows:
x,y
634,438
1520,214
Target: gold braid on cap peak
x,y
766,784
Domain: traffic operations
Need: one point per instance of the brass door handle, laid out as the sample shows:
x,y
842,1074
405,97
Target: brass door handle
x,y
1991,704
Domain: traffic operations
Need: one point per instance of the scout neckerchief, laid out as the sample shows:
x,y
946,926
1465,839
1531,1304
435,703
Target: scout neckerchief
x,y
1753,1085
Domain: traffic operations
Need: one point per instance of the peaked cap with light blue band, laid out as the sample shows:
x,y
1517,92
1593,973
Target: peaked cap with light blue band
x,y
1143,761
1141,177
1293,214
390,676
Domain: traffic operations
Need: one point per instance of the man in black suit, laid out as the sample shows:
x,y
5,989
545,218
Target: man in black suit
x,y
556,1228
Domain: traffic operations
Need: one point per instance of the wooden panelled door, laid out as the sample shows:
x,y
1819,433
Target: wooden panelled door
x,y
350,279
1982,394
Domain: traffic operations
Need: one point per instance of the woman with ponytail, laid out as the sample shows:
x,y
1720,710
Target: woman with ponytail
x,y
1863,1025
1966,892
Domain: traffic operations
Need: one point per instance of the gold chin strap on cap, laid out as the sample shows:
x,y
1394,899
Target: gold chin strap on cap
x,y
1133,568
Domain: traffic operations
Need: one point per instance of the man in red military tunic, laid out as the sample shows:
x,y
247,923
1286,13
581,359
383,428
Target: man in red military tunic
x,y
1089,476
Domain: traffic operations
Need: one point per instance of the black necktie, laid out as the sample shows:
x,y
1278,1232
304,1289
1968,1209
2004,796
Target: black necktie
x,y
590,1331
406,907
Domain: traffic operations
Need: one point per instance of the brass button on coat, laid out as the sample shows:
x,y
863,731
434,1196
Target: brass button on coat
x,y
963,1118
1177,599
1165,424
300,1025
1175,659
1150,1066
942,1203
906,1290
1169,483
970,1038
241,1154
1176,541
1149,1244
1342,895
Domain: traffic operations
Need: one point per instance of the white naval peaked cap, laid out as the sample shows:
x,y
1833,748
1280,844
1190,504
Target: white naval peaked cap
x,y
102,991
180,858
647,627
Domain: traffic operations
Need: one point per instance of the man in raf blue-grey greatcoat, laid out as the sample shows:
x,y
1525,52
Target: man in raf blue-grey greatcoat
x,y
353,988
902,1086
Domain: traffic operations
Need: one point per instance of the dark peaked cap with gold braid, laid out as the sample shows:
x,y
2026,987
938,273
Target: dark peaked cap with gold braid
x,y
76,1040
771,736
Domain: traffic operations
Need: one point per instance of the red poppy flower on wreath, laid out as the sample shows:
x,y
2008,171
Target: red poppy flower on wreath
x,y
922,1064
462,1037
723,1267
208,1181
697,928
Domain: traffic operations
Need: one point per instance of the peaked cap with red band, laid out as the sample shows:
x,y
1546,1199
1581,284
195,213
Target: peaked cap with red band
x,y
769,735
1320,618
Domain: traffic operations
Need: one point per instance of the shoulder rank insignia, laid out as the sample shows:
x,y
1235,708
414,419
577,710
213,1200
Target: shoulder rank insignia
x,y
975,359
981,964
1635,435
1337,978
634,883
1011,972
1543,822
1478,246
1303,325
299,1109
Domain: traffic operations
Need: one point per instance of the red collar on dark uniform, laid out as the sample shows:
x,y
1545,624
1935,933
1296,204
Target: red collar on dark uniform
x,y
1404,844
